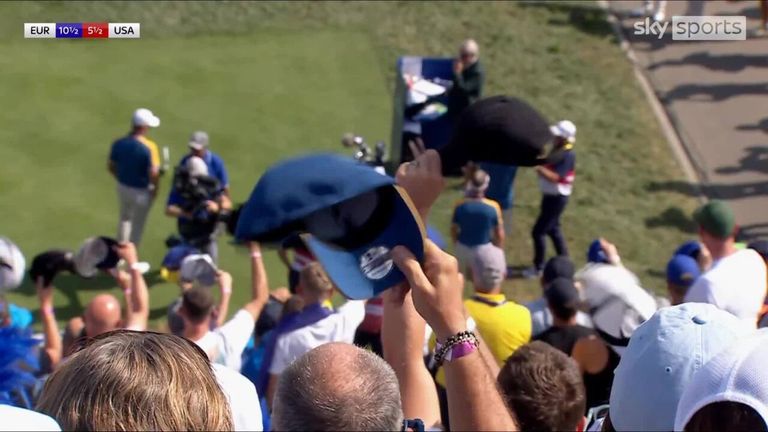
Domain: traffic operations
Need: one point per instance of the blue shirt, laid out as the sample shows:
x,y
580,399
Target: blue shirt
x,y
132,160
500,187
475,219
566,170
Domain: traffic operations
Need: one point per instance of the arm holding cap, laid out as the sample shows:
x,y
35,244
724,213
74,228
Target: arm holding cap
x,y
474,401
423,180
139,298
259,283
224,280
402,337
53,344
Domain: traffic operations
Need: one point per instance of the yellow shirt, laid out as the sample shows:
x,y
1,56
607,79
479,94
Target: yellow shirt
x,y
153,152
505,326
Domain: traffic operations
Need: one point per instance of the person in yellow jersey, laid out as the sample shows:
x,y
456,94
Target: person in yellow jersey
x,y
134,161
476,221
503,324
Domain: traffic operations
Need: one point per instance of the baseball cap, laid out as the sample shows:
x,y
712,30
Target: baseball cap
x,y
196,167
716,218
662,357
596,254
198,140
690,248
96,253
145,117
500,129
12,264
617,303
49,263
562,292
564,129
489,266
349,216
175,255
682,270
736,374
559,266
198,268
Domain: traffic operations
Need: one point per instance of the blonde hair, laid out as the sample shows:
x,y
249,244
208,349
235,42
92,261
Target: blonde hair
x,y
126,380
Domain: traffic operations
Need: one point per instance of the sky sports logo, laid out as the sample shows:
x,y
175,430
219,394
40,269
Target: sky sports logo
x,y
696,28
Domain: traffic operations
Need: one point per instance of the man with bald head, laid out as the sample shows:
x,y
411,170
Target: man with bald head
x,y
104,313
468,78
338,386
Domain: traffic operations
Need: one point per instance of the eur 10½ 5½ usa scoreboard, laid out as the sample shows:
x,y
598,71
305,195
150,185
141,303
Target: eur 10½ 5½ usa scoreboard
x,y
85,30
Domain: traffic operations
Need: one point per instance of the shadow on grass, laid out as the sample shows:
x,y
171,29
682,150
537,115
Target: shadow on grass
x,y
673,217
586,18
68,286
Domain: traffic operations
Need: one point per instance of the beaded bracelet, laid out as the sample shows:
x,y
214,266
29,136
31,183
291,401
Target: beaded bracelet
x,y
456,346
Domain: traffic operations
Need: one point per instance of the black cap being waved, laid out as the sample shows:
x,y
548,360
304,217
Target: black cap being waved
x,y
500,129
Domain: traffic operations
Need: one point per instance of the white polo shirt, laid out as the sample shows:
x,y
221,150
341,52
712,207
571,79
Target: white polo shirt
x,y
736,283
337,327
243,399
20,419
225,345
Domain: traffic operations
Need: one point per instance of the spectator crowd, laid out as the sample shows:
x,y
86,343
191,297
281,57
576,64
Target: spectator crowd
x,y
596,351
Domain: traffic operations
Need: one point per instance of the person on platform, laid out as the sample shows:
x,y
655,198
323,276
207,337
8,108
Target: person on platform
x,y
468,79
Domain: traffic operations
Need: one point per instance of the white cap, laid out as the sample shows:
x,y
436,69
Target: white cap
x,y
736,374
662,357
197,167
617,303
564,129
145,117
12,265
198,268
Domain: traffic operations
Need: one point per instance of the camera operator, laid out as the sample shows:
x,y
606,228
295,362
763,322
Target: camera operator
x,y
199,195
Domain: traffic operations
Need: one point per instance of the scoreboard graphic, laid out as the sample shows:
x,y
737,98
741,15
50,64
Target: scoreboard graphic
x,y
85,30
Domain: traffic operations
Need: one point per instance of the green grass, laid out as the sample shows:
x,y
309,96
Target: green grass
x,y
268,80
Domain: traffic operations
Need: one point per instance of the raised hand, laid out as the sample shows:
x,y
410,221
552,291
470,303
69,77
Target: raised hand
x,y
437,288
